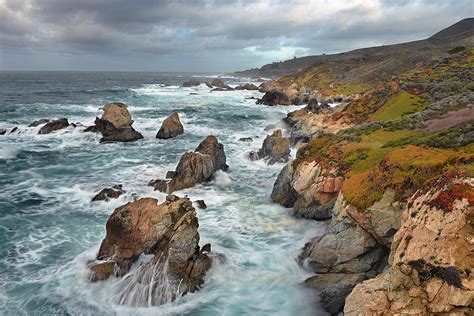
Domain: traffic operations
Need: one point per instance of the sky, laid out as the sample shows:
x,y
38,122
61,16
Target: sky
x,y
205,35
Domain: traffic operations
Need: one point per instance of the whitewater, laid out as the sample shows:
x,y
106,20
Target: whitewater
x,y
50,229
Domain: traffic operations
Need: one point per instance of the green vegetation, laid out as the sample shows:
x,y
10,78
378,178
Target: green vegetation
x,y
351,89
456,50
401,104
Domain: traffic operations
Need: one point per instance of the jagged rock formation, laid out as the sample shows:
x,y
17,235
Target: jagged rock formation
x,y
195,167
38,122
115,125
109,193
52,126
171,127
275,148
169,232
431,262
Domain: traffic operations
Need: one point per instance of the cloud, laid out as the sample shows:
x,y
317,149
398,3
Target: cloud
x,y
207,34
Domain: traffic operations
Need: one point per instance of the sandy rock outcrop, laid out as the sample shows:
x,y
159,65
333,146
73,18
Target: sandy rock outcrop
x,y
168,232
52,126
275,148
195,167
115,125
431,261
171,127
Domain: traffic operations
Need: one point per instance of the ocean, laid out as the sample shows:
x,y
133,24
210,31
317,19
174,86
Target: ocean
x,y
49,228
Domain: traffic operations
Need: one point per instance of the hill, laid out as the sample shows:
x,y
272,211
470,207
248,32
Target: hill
x,y
458,34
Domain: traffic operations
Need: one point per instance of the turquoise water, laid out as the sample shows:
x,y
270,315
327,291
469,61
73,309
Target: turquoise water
x,y
49,228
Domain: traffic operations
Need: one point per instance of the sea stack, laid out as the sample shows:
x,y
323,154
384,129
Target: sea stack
x,y
171,127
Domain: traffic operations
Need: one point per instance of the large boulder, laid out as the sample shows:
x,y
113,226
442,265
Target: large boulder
x,y
283,192
195,167
115,125
275,148
171,127
38,122
430,263
169,233
54,126
268,86
117,114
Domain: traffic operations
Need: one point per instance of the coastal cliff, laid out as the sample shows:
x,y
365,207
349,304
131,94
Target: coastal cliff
x,y
389,168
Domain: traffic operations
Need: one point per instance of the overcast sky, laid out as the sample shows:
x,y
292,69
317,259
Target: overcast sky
x,y
220,35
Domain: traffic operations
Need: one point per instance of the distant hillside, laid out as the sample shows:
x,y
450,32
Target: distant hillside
x,y
461,33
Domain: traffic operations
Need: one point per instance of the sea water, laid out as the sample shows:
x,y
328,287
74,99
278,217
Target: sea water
x,y
49,229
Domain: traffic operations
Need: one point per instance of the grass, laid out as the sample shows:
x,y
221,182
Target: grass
x,y
351,89
401,104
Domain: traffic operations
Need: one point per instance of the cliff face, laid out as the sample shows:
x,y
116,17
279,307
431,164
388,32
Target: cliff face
x,y
366,167
431,258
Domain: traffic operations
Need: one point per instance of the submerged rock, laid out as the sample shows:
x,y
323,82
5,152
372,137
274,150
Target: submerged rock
x,y
171,127
202,205
54,126
246,139
275,148
3,131
169,232
109,193
115,125
195,167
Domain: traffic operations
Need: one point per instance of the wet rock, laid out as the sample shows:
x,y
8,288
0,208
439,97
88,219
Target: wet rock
x,y
3,131
109,193
54,126
171,127
115,125
333,288
191,83
246,139
274,98
169,232
102,270
14,130
275,148
283,192
201,204
246,86
38,122
219,89
195,167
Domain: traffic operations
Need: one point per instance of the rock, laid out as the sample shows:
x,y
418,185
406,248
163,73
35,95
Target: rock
x,y
38,122
13,130
219,89
430,261
274,98
316,108
109,193
201,204
219,83
268,86
275,148
195,167
169,232
246,139
117,114
191,83
119,128
3,131
101,271
333,288
246,86
283,192
171,127
54,126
